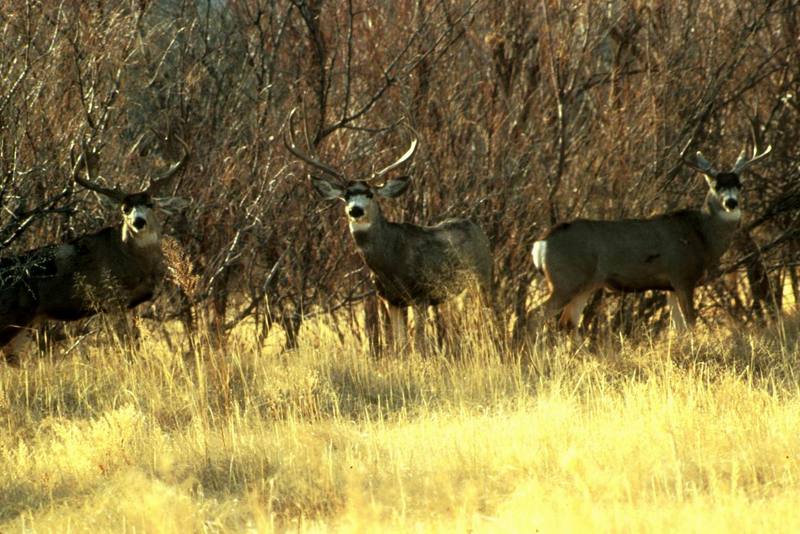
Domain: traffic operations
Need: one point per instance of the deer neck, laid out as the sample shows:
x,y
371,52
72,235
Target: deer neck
x,y
375,241
719,225
145,239
368,235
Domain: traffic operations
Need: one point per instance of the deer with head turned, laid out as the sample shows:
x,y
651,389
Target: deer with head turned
x,y
116,267
411,265
669,252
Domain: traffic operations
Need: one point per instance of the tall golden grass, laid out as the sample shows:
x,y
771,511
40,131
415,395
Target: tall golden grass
x,y
692,433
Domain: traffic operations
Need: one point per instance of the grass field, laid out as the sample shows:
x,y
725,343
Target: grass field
x,y
697,433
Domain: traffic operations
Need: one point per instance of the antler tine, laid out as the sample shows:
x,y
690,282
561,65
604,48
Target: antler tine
x,y
742,162
741,159
410,152
163,180
701,164
88,161
288,141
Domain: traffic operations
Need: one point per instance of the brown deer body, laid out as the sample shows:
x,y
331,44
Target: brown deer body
x,y
116,267
416,265
669,252
411,265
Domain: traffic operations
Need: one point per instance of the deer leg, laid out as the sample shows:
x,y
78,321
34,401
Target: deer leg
x,y
14,333
48,333
126,325
439,325
372,325
486,298
420,340
554,303
387,339
571,316
15,344
569,303
676,314
397,317
685,301
488,313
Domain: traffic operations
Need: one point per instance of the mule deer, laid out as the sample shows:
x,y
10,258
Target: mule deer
x,y
411,265
118,266
668,252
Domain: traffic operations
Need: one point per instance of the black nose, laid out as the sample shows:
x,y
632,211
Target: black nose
x,y
356,212
139,223
731,203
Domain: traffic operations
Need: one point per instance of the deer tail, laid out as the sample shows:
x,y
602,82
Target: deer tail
x,y
538,252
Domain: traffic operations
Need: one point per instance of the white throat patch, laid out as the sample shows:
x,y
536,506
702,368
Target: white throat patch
x,y
359,226
733,216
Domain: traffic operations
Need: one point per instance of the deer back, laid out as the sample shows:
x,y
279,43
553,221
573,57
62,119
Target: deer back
x,y
631,254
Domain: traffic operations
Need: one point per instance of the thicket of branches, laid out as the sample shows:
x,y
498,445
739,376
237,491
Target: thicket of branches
x,y
529,113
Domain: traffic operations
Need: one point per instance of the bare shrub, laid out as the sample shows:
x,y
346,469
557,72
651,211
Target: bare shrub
x,y
529,114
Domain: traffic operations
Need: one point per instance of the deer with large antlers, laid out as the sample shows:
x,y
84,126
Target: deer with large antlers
x,y
116,267
411,265
669,252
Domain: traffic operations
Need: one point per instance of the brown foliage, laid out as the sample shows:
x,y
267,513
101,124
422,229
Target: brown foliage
x,y
529,114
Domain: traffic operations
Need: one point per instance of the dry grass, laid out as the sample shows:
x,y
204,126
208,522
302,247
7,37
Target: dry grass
x,y
660,434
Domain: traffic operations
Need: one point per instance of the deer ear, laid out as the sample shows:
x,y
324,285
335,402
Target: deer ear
x,y
170,205
394,187
327,189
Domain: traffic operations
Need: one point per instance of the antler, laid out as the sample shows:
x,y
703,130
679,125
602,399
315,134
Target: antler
x,y
401,160
701,164
288,141
88,160
742,162
163,180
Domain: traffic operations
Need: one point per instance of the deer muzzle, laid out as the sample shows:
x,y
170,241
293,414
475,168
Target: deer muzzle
x,y
355,212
